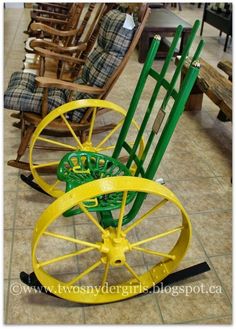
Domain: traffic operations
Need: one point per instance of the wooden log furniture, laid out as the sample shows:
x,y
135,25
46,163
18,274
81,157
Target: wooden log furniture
x,y
163,22
213,84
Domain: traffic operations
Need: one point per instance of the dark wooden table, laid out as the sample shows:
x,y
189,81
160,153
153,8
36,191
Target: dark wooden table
x,y
163,22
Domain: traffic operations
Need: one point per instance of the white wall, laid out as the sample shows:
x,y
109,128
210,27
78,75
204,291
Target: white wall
x,y
14,4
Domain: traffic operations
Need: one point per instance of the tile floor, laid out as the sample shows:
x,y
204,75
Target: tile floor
x,y
197,167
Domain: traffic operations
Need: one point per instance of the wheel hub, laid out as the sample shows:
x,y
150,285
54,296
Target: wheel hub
x,y
113,248
88,146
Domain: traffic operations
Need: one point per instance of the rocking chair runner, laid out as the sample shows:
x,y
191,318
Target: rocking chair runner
x,y
97,80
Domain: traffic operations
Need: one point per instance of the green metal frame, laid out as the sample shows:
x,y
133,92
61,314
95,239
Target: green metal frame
x,y
159,137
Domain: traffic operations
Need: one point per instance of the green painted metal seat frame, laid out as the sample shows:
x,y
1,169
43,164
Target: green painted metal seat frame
x,y
80,167
164,124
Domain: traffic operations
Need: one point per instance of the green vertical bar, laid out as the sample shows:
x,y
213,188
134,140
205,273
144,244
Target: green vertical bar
x,y
137,93
198,50
154,95
167,132
171,123
181,62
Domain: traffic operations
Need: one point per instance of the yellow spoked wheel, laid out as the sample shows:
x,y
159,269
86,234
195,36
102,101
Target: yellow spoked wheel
x,y
46,152
82,262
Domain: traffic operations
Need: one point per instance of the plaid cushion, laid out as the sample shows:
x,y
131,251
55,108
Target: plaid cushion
x,y
23,94
113,37
113,42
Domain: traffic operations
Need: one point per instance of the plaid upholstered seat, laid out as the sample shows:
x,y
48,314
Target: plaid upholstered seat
x,y
113,42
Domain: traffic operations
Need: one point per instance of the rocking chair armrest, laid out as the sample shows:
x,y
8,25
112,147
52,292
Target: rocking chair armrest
x,y
50,20
57,56
56,83
52,5
49,45
38,12
51,30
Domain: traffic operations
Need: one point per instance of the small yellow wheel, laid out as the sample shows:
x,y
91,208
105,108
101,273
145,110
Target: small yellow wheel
x,y
46,152
92,264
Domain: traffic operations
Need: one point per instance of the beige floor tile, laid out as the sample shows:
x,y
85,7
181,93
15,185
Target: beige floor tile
x,y
195,120
11,178
141,310
7,252
196,298
214,321
203,194
223,268
30,205
226,183
29,307
21,253
175,164
47,248
215,231
9,209
6,282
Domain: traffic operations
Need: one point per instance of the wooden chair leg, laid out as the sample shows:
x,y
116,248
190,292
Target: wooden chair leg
x,y
25,139
226,42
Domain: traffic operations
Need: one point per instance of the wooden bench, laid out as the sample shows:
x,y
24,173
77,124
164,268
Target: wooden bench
x,y
213,84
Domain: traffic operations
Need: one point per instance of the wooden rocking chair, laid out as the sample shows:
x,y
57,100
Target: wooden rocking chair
x,y
57,20
70,43
50,93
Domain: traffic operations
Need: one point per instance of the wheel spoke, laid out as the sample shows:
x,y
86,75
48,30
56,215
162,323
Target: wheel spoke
x,y
68,238
51,141
148,213
104,279
107,148
60,258
92,124
48,164
87,271
119,124
54,185
158,236
90,216
72,131
131,270
121,215
152,252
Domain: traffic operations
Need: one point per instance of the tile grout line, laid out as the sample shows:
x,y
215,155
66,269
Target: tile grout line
x,y
207,318
212,267
16,198
77,263
147,266
11,255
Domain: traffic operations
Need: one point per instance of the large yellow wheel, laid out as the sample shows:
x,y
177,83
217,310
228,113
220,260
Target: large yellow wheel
x,y
46,152
90,264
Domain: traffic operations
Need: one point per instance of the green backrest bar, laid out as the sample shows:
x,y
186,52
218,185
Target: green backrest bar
x,y
155,75
165,137
155,93
160,82
136,97
180,97
198,51
181,63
